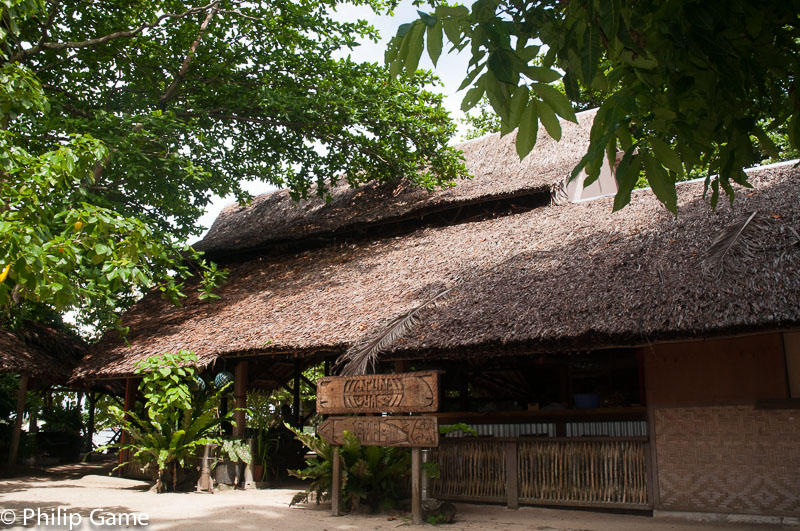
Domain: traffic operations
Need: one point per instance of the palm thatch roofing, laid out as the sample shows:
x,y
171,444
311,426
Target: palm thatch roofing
x,y
40,351
492,161
550,279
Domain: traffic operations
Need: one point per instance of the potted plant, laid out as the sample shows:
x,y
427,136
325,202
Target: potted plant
x,y
261,449
232,453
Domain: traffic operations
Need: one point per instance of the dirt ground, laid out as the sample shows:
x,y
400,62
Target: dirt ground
x,y
73,493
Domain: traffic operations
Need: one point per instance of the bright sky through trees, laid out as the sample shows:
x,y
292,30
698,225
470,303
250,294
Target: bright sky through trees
x,y
450,71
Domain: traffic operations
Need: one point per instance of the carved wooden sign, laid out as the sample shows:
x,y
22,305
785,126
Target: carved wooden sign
x,y
411,392
419,432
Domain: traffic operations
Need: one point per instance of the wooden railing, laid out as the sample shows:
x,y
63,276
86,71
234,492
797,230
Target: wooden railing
x,y
589,472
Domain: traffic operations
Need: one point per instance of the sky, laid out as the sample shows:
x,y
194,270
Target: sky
x,y
451,69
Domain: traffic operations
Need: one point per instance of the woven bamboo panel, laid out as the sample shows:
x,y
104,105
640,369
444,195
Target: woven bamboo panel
x,y
469,469
730,459
591,473
583,472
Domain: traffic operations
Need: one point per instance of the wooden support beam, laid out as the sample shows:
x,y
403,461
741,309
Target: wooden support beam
x,y
131,387
16,435
416,486
336,484
298,419
90,424
512,476
240,399
311,384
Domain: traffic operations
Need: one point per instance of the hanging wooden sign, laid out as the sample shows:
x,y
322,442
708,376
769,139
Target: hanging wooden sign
x,y
418,432
411,392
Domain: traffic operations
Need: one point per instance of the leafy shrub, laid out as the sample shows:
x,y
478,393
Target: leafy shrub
x,y
180,416
374,476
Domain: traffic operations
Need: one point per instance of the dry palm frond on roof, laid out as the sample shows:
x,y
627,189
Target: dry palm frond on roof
x,y
360,358
735,248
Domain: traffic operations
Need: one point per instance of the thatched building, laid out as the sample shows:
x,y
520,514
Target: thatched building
x,y
607,360
42,356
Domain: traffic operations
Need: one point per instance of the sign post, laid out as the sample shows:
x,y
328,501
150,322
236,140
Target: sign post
x,y
413,392
410,392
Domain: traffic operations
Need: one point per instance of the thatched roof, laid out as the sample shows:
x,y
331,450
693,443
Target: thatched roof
x,y
40,351
553,278
497,173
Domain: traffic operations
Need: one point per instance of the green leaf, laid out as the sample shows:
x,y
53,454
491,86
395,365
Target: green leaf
x,y
627,176
661,182
591,53
519,102
428,18
500,64
470,77
403,29
556,100
766,143
453,30
550,121
541,74
472,97
666,155
434,37
528,129
413,50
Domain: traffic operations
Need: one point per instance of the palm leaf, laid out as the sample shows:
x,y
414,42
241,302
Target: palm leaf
x,y
358,359
741,240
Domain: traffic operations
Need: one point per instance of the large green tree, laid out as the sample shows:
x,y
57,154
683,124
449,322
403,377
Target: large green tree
x,y
687,85
120,119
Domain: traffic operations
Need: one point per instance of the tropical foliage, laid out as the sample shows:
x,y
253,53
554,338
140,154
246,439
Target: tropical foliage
x,y
686,85
372,476
119,121
179,416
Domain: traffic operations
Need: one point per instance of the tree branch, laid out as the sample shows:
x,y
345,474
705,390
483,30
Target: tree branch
x,y
73,45
189,56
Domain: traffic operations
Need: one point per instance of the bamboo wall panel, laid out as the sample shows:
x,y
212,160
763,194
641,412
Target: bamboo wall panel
x,y
583,472
728,459
470,470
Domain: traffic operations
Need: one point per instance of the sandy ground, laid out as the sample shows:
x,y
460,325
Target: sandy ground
x,y
77,495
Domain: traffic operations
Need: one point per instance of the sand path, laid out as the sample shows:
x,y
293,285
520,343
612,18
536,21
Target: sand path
x,y
269,509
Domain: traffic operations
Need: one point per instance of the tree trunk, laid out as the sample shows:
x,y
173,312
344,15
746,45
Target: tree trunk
x,y
17,433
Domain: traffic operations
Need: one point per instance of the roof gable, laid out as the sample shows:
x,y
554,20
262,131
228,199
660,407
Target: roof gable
x,y
573,276
492,160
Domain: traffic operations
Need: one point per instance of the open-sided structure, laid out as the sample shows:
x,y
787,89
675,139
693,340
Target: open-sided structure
x,y
606,360
41,356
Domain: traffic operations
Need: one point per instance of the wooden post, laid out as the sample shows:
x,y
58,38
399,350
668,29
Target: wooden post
x,y
17,433
33,421
240,418
512,479
240,399
130,401
336,484
90,425
204,481
298,418
416,494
